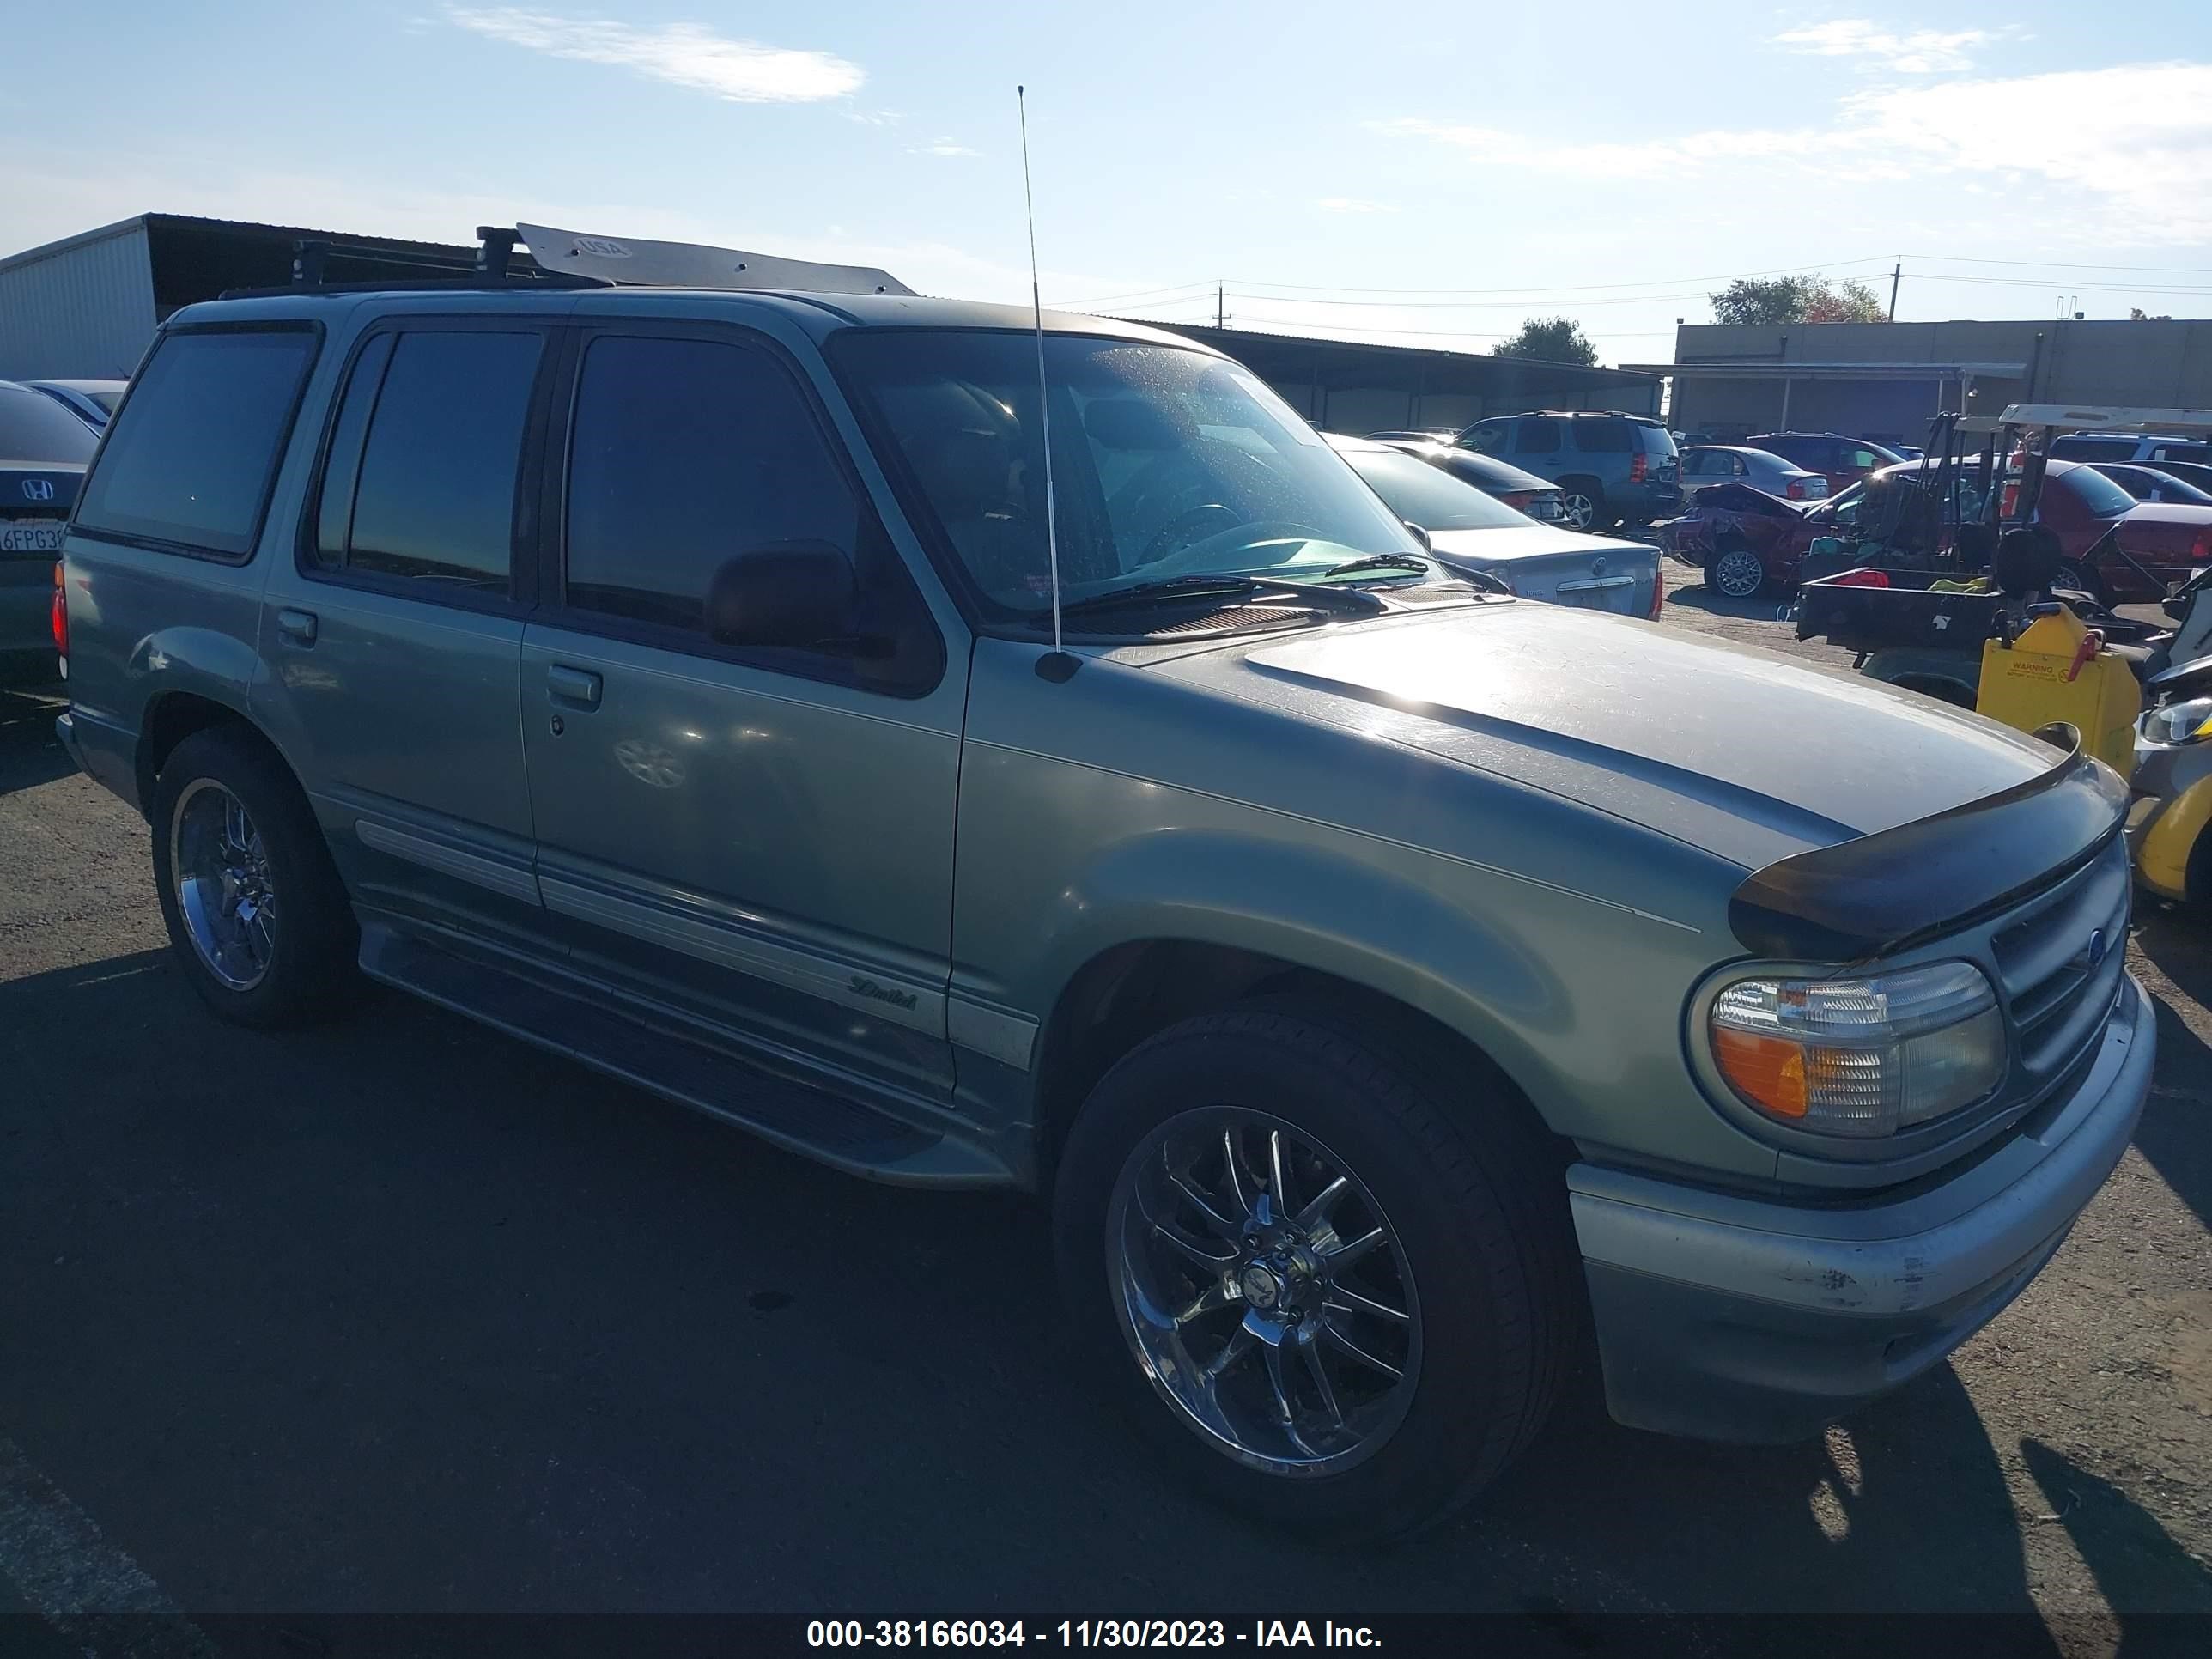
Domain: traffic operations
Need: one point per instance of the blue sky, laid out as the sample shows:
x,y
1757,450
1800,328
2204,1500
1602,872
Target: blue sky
x,y
1423,175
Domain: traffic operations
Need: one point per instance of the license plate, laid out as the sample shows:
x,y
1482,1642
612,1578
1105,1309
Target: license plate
x,y
32,537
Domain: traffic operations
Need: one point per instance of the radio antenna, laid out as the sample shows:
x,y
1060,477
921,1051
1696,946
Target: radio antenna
x,y
1044,394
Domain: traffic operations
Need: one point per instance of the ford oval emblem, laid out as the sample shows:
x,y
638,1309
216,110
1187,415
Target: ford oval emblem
x,y
2098,947
1598,566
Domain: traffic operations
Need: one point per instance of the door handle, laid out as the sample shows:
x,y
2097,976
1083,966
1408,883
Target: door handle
x,y
575,685
298,626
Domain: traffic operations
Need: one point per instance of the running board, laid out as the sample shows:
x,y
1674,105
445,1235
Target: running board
x,y
829,1128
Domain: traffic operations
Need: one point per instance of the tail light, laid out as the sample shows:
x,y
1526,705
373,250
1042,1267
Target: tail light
x,y
1797,489
1518,499
2200,551
1637,466
1658,588
60,617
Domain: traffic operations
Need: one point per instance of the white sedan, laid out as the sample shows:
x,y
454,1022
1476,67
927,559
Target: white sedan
x,y
1707,464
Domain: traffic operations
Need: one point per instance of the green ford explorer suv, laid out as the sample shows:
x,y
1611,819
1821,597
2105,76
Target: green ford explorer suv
x,y
1397,989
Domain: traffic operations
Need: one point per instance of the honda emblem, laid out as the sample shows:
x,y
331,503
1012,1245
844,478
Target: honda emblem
x,y
38,489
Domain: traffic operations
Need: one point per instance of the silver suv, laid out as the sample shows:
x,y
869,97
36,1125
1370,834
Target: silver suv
x,y
1387,981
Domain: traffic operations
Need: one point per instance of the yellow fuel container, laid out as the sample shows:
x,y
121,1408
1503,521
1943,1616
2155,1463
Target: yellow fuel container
x,y
2055,670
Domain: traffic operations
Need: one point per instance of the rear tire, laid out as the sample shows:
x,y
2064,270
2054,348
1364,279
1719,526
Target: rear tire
x,y
2072,575
1584,501
257,913
1475,1249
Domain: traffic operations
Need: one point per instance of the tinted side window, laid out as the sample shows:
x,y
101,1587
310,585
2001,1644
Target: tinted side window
x,y
1486,437
1538,438
1603,437
193,460
685,453
434,495
1856,457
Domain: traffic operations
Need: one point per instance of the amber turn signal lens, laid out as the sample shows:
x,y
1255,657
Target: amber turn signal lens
x,y
1770,1072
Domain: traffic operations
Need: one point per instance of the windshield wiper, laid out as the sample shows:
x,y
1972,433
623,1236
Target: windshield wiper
x,y
1173,586
1225,587
1377,561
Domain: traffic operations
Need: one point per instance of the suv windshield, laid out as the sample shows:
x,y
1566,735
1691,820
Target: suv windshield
x,y
1165,463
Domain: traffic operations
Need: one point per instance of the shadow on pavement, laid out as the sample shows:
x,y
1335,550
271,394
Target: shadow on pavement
x,y
30,754
2142,1573
401,1315
2175,1133
1695,595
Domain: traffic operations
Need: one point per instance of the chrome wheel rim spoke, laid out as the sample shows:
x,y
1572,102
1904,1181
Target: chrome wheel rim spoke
x,y
1233,1293
219,871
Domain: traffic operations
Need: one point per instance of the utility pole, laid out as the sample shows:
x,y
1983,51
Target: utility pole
x,y
1220,311
1896,272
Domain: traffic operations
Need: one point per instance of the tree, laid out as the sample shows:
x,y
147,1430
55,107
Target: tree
x,y
2137,315
1796,300
1550,340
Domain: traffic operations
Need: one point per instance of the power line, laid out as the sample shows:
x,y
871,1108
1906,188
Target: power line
x,y
2058,264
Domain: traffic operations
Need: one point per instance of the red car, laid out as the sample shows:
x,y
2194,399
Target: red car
x,y
1749,542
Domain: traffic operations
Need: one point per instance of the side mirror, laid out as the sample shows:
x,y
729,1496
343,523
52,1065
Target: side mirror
x,y
1419,535
790,593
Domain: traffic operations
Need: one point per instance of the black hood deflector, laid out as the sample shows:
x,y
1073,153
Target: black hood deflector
x,y
1882,893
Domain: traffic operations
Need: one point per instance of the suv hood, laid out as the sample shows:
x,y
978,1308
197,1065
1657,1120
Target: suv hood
x,y
1749,755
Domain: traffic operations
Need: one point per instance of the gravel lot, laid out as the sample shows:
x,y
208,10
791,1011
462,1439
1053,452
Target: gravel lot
x,y
400,1314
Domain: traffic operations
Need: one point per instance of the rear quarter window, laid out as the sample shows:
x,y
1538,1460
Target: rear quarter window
x,y
1604,437
2095,449
190,464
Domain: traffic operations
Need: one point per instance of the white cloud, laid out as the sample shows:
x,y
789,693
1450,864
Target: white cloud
x,y
943,147
1353,204
682,54
875,118
2123,150
1922,52
2138,137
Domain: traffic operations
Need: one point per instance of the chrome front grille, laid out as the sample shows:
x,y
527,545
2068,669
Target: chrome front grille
x,y
2059,961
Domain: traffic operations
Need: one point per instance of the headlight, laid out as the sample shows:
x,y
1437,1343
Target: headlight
x,y
2180,722
1861,1057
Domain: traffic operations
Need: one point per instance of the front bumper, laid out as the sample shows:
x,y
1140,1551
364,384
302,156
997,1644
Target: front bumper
x,y
1747,1320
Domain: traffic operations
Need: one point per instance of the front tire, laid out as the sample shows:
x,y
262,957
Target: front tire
x,y
1736,572
257,914
1332,1303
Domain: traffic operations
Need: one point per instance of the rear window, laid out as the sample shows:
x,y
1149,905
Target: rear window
x,y
1422,495
34,428
2181,452
2095,491
1604,437
192,461
1655,439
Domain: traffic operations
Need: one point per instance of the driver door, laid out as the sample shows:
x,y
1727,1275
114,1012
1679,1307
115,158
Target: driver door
x,y
761,837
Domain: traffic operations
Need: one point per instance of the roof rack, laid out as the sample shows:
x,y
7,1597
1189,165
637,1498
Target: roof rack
x,y
568,259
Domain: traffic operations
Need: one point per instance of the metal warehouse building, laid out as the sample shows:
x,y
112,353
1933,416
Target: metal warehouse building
x,y
1348,386
87,306
1885,380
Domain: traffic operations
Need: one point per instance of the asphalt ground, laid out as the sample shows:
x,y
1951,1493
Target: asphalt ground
x,y
401,1316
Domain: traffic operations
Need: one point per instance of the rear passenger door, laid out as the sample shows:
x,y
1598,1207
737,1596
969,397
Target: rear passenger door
x,y
395,634
759,836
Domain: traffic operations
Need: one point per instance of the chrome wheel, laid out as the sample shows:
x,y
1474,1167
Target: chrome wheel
x,y
1738,573
1264,1291
219,871
1582,511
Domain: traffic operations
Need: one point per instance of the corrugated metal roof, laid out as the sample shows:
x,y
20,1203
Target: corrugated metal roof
x,y
1223,338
